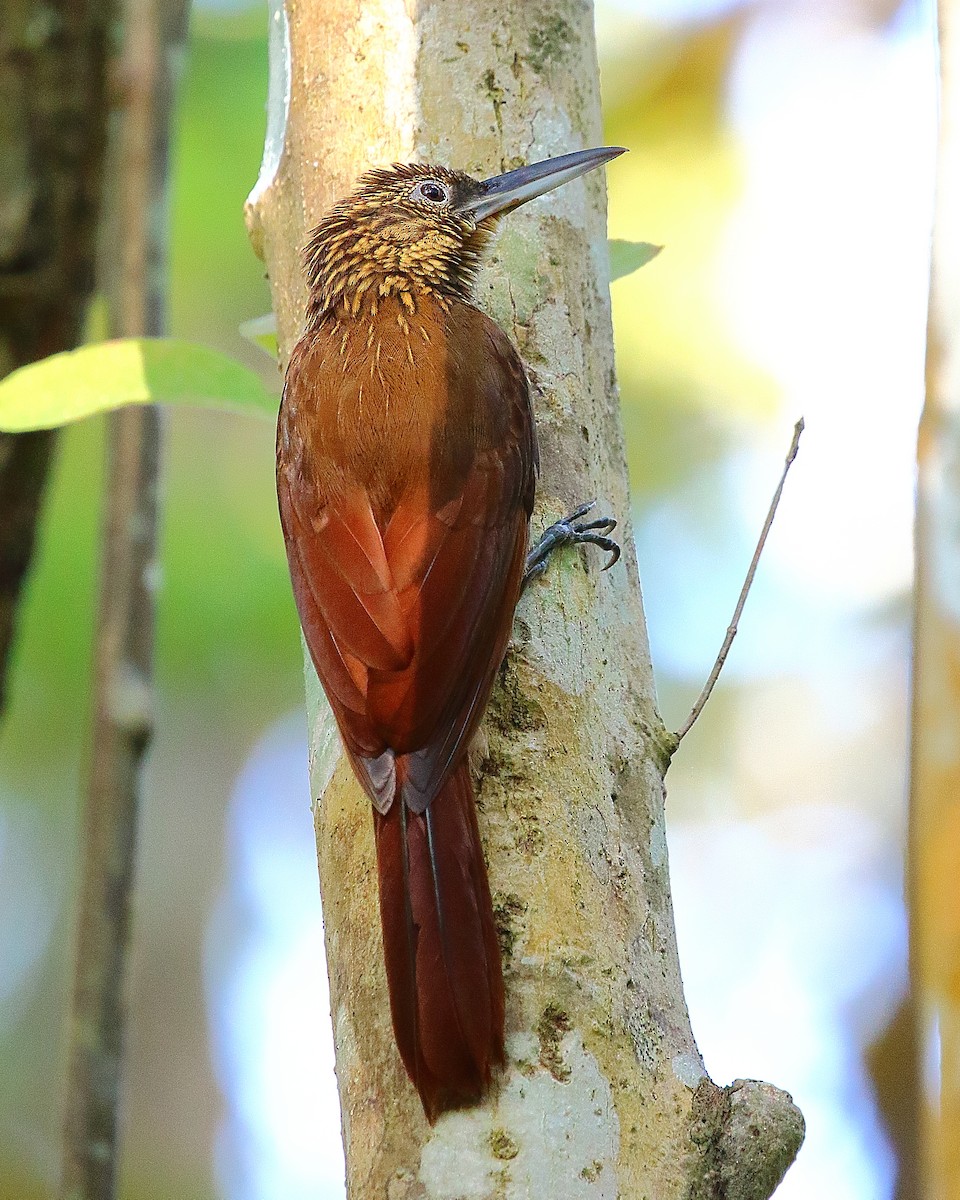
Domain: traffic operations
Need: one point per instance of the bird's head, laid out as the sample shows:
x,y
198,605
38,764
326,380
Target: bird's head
x,y
414,228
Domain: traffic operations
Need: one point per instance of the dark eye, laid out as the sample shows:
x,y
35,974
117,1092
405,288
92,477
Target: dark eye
x,y
431,191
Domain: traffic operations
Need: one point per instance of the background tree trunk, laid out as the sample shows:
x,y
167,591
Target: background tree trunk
x,y
605,1092
134,278
935,795
53,118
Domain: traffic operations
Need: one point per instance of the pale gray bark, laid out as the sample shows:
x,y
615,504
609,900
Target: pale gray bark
x,y
605,1094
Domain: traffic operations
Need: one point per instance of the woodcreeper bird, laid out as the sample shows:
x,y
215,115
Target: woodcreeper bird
x,y
406,466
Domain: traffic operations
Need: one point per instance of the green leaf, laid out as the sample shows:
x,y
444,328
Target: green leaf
x,y
627,257
110,375
262,333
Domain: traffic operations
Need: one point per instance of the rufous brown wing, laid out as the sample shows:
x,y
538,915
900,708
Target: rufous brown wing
x,y
405,496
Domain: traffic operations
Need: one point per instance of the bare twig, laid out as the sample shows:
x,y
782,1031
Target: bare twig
x,y
744,592
123,721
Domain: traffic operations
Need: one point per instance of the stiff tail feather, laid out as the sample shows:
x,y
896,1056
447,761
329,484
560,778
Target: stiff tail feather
x,y
440,945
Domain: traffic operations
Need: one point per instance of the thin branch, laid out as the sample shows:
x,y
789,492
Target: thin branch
x,y
744,592
123,718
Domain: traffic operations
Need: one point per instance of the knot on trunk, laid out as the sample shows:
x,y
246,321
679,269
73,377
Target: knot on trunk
x,y
746,1136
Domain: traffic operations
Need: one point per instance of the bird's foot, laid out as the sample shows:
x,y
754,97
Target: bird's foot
x,y
572,531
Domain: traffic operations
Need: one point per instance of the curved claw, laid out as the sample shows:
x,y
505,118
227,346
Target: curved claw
x,y
612,548
606,524
605,543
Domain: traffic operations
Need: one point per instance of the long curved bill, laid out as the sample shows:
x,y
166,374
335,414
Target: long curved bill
x,y
505,192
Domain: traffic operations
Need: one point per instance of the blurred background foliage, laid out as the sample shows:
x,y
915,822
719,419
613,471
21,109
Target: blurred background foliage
x,y
782,152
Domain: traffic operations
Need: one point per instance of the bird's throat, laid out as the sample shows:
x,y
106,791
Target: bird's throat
x,y
353,266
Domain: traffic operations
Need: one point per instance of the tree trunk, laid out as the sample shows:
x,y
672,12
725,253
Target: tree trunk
x,y
53,117
605,1092
134,280
935,790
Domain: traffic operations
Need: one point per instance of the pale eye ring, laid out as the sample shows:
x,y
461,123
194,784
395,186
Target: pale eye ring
x,y
432,191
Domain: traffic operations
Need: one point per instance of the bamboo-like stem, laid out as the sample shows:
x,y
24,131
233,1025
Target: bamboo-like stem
x,y
934,851
123,717
605,1093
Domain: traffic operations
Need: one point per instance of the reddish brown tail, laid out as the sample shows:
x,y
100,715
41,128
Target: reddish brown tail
x,y
440,945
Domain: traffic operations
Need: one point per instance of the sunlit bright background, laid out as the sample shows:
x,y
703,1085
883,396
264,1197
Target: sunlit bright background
x,y
782,152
